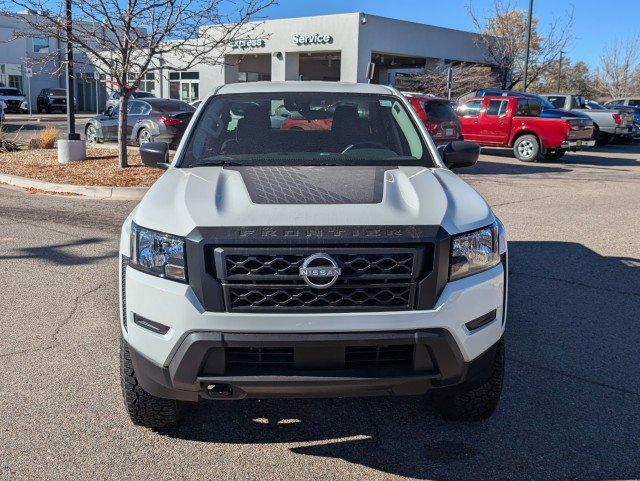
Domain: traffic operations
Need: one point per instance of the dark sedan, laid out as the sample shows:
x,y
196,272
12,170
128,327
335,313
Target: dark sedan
x,y
148,120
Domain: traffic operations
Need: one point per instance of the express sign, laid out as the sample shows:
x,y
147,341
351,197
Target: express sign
x,y
316,38
248,43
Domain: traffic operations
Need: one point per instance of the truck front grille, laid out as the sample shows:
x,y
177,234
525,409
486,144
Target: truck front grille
x,y
386,296
268,279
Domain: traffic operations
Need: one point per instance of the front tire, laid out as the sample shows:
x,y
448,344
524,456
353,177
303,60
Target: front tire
x,y
144,137
145,409
554,154
526,148
91,135
473,400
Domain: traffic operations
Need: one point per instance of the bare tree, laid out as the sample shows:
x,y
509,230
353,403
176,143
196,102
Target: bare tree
x,y
504,38
619,75
465,77
126,39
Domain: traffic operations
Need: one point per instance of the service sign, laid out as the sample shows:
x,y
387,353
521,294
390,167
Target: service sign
x,y
248,43
316,38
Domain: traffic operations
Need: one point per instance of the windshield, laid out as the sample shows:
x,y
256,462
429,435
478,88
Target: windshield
x,y
172,106
10,91
439,111
305,129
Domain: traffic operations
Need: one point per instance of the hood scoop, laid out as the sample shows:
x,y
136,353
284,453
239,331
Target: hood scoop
x,y
313,184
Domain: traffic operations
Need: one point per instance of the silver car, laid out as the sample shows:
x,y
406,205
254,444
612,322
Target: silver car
x,y
148,120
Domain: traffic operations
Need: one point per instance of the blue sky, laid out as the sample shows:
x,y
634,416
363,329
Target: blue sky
x,y
596,22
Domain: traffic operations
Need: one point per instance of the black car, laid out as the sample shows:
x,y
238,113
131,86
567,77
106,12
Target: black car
x,y
148,120
50,100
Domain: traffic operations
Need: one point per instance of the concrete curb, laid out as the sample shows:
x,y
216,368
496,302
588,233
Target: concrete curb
x,y
94,192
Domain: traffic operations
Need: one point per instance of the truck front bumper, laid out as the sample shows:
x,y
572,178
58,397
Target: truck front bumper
x,y
197,370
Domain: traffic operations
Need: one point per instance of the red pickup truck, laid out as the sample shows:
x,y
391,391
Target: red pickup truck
x,y
515,122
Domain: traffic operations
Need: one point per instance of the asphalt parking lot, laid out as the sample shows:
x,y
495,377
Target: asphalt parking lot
x,y
570,407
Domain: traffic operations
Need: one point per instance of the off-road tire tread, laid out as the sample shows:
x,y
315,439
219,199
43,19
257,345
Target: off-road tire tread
x,y
475,402
145,409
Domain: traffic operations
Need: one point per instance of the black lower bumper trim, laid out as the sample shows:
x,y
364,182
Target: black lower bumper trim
x,y
197,369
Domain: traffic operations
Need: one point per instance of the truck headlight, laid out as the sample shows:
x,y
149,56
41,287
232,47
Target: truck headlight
x,y
158,253
474,252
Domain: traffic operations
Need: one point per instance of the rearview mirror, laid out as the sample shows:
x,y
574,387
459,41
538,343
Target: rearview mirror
x,y
155,154
459,154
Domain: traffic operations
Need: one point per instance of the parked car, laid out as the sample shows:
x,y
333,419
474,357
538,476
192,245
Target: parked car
x,y
49,100
14,99
113,99
437,115
626,102
148,120
516,122
607,124
308,263
549,111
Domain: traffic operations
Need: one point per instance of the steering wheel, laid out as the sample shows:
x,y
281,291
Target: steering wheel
x,y
361,145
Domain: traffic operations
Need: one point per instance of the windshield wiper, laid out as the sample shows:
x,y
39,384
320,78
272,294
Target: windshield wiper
x,y
220,162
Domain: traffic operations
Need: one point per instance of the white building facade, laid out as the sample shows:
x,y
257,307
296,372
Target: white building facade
x,y
331,47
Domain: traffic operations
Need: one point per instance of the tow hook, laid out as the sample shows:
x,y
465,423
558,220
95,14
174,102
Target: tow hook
x,y
219,390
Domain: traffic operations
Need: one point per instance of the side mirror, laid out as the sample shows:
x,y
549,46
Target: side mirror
x,y
459,154
155,154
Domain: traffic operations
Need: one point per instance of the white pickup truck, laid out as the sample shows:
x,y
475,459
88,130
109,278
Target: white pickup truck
x,y
608,124
347,260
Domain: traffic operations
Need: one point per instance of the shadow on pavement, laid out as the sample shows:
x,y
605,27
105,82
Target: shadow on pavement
x,y
60,254
12,128
569,408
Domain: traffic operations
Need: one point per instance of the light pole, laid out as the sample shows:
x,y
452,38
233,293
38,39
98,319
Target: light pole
x,y
29,72
96,77
70,148
71,117
562,52
526,58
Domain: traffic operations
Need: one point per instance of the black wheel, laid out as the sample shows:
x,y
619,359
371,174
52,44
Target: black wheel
x,y
526,148
144,409
602,138
554,154
144,136
473,400
110,110
47,109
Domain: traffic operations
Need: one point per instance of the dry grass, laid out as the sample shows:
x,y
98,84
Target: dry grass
x,y
46,139
101,168
10,142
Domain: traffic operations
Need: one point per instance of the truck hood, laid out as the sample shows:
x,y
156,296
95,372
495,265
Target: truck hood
x,y
185,198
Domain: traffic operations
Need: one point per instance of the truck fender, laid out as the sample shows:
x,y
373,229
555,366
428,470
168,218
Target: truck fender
x,y
520,133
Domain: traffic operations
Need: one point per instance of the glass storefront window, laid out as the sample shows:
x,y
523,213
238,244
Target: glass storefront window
x,y
184,86
41,45
11,75
148,84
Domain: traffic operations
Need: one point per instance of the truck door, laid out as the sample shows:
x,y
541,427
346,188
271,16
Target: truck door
x,y
496,124
469,115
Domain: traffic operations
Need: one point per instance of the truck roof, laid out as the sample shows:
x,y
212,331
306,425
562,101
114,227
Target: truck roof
x,y
304,86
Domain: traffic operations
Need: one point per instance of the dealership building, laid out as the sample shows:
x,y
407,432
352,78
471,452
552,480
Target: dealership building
x,y
340,47
336,47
